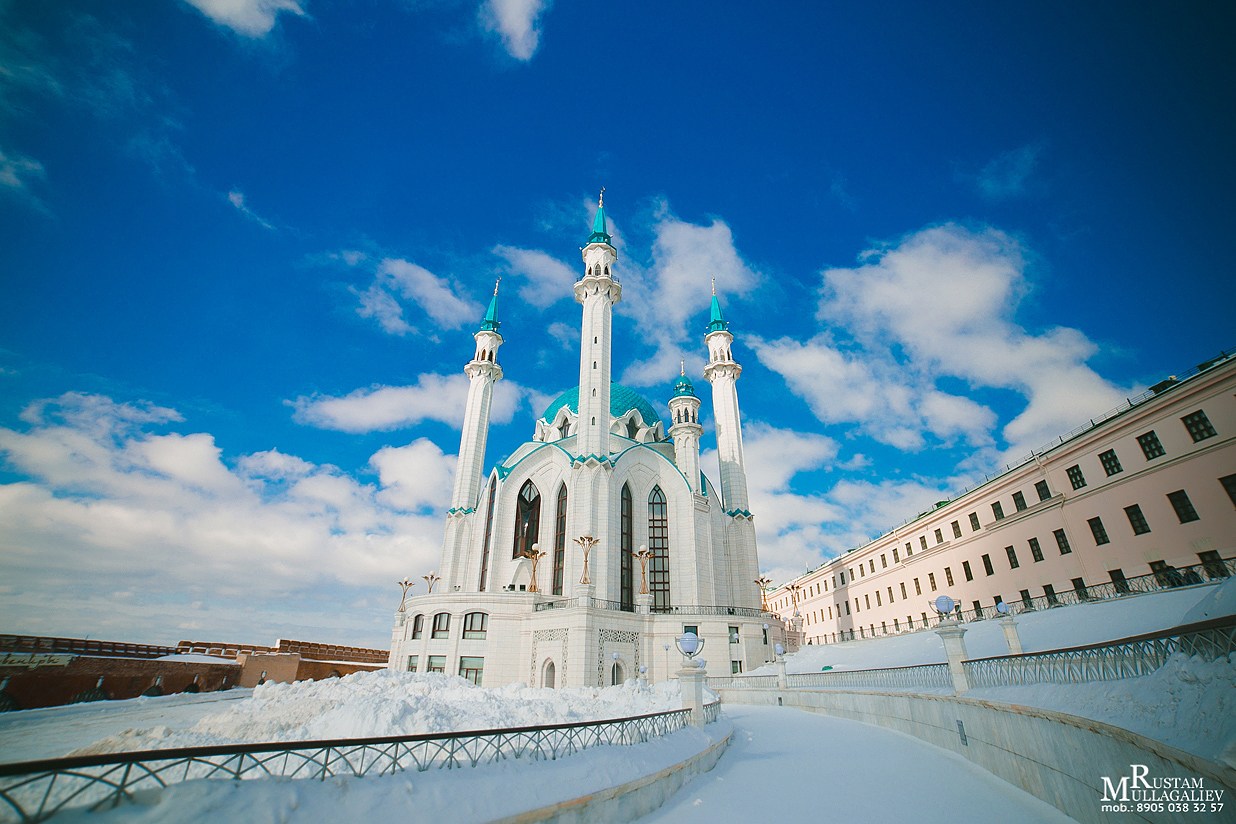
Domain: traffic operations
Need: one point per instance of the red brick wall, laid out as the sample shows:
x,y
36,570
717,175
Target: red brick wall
x,y
122,678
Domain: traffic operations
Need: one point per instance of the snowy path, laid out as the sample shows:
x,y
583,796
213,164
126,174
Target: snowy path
x,y
786,764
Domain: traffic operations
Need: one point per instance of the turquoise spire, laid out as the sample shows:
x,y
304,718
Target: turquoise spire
x,y
682,386
717,323
490,323
599,235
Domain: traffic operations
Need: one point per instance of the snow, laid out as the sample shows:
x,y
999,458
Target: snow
x,y
899,778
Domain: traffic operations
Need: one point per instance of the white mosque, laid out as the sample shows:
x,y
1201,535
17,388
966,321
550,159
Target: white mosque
x,y
581,557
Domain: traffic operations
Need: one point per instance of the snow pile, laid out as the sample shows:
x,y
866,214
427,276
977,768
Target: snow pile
x,y
385,703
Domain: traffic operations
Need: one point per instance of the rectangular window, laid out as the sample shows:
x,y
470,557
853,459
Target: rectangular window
x,y
471,668
1041,488
872,565
918,588
1026,601
878,602
441,625
948,575
1050,592
974,521
1012,553
1036,551
931,580
883,561
1119,582
1062,541
1199,426
412,663
1137,520
847,607
997,509
436,663
1019,500
890,595
1229,486
1076,477
896,625
867,601
909,549
691,628
987,567
903,591
1214,565
843,577
857,606
939,537
1079,586
1097,530
1150,445
965,568
862,571
922,539
735,667
897,558
1183,506
978,610
418,626
1111,464
956,529
734,635
475,625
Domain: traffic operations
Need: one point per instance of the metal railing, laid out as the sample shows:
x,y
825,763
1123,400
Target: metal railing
x,y
923,676
693,609
742,682
1128,658
36,790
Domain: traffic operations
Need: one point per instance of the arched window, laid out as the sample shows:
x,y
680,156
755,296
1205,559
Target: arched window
x,y
616,676
476,625
489,529
559,539
626,577
527,519
418,626
658,546
632,428
441,625
547,680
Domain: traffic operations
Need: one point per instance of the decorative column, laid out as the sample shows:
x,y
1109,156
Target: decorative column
x,y
953,636
1009,625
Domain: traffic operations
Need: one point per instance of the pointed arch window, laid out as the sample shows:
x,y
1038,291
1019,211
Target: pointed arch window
x,y
527,519
560,513
632,428
489,531
626,555
658,546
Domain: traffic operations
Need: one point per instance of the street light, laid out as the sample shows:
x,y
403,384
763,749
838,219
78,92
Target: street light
x,y
690,645
431,579
534,555
643,556
762,582
586,543
404,585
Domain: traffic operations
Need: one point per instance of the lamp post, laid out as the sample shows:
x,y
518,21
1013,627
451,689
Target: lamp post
x,y
762,582
404,585
534,555
643,556
691,676
586,543
431,579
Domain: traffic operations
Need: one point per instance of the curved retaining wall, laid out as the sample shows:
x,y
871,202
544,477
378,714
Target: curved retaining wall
x,y
628,801
1059,758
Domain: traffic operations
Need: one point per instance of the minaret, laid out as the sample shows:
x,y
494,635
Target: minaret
x,y
686,430
482,371
598,291
722,372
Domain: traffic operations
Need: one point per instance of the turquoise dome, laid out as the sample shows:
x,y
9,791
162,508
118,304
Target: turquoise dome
x,y
622,399
683,386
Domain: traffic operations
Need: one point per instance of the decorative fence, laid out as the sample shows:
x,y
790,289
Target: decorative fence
x,y
691,609
36,790
1129,658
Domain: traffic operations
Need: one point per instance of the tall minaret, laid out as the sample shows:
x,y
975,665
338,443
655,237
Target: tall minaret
x,y
686,430
482,371
722,372
598,291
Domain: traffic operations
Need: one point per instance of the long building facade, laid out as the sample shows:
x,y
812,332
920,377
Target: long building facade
x,y
1149,491
578,559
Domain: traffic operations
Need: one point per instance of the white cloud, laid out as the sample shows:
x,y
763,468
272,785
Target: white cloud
x,y
252,18
237,199
416,477
17,171
435,296
547,279
516,22
1009,174
433,397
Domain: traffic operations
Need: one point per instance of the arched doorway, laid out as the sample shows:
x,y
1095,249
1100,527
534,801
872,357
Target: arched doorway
x,y
616,675
548,674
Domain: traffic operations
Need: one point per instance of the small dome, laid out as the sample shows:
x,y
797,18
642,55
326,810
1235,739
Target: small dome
x,y
622,399
683,387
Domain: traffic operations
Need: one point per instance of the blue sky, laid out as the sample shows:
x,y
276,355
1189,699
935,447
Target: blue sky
x,y
244,244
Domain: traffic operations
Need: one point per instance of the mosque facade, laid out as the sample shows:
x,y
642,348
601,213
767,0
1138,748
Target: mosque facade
x,y
581,557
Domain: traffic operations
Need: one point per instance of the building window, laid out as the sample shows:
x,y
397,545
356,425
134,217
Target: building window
x,y
441,625
1076,477
956,529
436,663
978,610
1150,445
1062,541
918,588
872,563
1119,582
939,537
694,629
418,626
931,581
412,663
890,595
626,550
922,540
997,509
1012,553
1111,464
1079,586
1036,551
1041,488
489,531
1199,426
658,545
1213,564
1183,506
1019,500
897,558
1137,520
1050,592
883,561
1229,486
987,567
527,519
879,603
948,575
560,513
974,521
735,667
1097,530
867,601
862,571
733,635
903,591
1026,601
476,624
909,549
471,668
965,568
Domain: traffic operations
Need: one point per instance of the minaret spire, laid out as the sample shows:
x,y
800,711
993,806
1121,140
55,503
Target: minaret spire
x,y
597,291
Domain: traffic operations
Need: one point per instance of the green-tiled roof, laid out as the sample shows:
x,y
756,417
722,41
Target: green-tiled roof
x,y
622,399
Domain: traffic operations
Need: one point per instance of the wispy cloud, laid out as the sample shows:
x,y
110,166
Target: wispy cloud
x,y
1009,174
251,18
397,282
544,279
237,199
516,22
